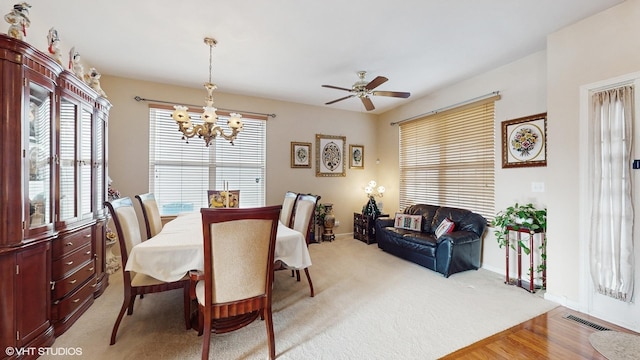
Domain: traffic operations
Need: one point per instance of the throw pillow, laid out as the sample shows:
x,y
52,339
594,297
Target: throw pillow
x,y
409,222
445,227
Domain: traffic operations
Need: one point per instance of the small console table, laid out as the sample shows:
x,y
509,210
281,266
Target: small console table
x,y
527,285
364,227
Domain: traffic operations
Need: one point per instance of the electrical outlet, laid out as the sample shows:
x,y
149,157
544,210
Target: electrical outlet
x,y
337,223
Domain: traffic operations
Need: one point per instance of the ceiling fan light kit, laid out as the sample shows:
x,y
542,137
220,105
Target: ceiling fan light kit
x,y
364,90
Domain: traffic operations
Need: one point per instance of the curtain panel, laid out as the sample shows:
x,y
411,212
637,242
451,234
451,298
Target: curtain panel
x,y
611,243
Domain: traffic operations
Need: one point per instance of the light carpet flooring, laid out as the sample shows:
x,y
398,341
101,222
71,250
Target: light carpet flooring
x,y
368,305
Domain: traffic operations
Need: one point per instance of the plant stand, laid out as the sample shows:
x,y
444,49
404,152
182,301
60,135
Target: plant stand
x,y
527,285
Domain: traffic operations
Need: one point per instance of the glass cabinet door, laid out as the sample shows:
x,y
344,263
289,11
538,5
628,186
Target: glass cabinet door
x,y
84,163
38,156
67,180
100,189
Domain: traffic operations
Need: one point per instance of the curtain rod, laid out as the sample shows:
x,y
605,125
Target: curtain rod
x,y
138,98
481,97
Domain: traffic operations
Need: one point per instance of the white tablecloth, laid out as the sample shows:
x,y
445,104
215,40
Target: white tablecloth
x,y
178,248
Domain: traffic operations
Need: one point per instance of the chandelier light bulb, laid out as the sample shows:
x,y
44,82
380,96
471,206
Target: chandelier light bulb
x,y
372,184
381,190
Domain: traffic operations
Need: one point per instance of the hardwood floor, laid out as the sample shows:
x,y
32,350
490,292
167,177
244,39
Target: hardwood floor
x,y
548,336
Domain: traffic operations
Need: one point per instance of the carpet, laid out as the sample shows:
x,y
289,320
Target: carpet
x,y
368,305
616,345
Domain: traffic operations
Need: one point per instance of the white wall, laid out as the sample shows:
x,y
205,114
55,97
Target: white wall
x,y
522,86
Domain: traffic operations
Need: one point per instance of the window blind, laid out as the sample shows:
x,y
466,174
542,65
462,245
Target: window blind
x,y
447,159
181,173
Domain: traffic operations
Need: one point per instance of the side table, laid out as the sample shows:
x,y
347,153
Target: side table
x,y
527,285
364,227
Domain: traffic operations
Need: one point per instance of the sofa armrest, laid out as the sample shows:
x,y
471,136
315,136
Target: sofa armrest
x,y
383,222
459,237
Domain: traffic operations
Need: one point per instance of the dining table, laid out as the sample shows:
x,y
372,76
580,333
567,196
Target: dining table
x,y
179,248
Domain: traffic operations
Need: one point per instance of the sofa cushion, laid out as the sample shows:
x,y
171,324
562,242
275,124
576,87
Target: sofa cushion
x,y
409,222
446,226
427,212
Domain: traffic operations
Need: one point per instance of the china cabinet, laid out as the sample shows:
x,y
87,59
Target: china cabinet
x,y
53,171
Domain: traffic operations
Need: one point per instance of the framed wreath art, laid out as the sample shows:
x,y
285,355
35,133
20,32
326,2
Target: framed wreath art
x,y
356,158
524,141
300,155
330,155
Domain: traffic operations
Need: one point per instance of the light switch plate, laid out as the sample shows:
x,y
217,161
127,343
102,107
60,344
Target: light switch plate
x,y
537,187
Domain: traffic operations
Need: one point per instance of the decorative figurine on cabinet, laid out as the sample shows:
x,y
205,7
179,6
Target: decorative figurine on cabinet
x,y
54,45
93,79
18,20
75,64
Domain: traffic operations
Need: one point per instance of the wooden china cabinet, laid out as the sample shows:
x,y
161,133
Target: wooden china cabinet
x,y
53,171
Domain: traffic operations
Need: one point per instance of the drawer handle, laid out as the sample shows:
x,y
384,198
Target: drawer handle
x,y
87,236
90,269
69,243
94,285
75,301
69,263
88,252
73,281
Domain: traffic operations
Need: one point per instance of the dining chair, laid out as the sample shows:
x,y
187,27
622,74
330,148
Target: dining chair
x,y
236,284
151,214
128,230
287,208
303,221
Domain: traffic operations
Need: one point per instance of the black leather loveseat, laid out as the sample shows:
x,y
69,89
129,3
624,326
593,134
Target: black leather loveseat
x,y
452,252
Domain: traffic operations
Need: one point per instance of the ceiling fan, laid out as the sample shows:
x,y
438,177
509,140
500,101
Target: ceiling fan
x,y
364,89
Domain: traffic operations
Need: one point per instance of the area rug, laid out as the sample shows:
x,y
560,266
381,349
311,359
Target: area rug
x,y
616,345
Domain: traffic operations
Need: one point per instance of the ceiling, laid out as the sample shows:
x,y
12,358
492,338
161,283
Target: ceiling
x,y
287,49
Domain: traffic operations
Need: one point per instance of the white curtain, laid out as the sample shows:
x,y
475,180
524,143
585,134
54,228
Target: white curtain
x,y
611,243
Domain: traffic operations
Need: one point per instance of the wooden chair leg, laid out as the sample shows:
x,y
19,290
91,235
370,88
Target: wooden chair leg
x,y
132,300
206,339
125,305
298,275
270,335
306,272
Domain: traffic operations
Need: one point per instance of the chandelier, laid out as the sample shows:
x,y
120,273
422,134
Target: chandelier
x,y
208,130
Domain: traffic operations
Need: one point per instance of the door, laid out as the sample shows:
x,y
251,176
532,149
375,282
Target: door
x,y
626,314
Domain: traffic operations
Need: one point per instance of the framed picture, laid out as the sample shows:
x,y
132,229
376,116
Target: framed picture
x,y
524,141
224,198
300,155
330,155
356,156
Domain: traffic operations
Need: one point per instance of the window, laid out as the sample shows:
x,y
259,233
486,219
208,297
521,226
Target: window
x,y
447,159
180,173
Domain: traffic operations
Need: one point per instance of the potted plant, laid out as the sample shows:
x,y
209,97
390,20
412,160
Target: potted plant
x,y
521,216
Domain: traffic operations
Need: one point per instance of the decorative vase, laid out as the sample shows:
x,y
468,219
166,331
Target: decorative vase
x,y
329,223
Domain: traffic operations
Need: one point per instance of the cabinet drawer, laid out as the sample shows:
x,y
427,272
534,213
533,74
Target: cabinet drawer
x,y
64,286
70,243
62,308
70,262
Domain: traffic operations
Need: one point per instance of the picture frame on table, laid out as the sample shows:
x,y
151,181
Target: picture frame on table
x,y
356,157
524,141
330,155
300,154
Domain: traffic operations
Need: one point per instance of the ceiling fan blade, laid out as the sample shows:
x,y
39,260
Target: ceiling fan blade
x,y
336,87
367,103
335,101
397,94
376,82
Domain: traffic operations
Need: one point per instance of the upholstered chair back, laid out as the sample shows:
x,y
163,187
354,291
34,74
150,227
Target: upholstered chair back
x,y
287,208
304,214
151,214
127,226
